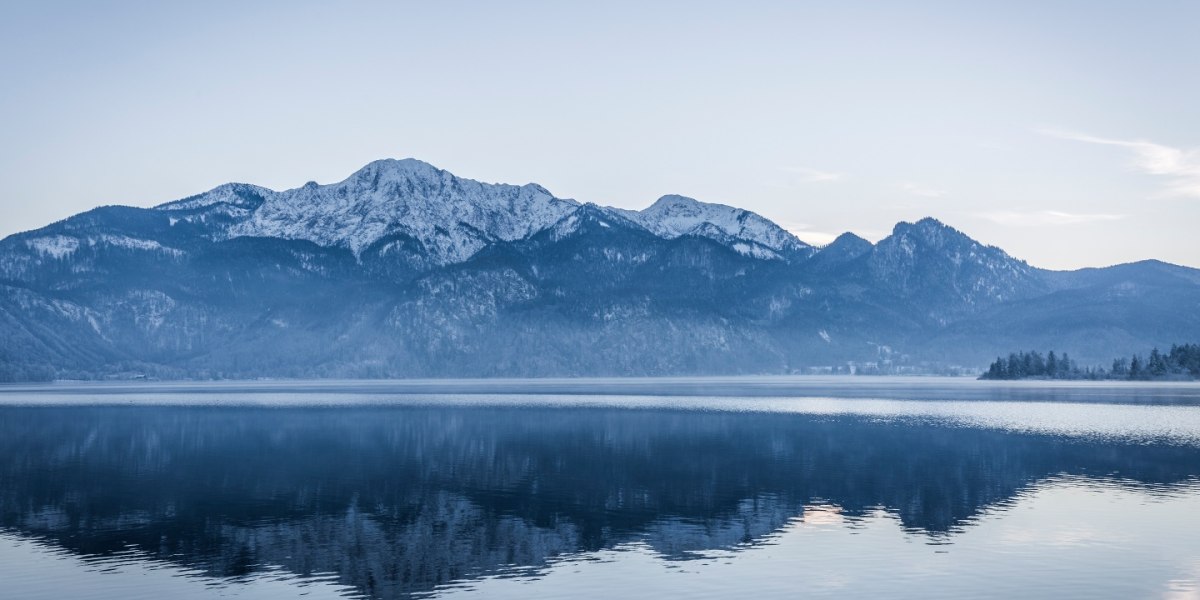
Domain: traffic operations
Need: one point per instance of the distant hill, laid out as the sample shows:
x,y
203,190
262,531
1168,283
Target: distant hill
x,y
406,270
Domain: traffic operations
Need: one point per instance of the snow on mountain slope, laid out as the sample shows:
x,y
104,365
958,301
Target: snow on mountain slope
x,y
54,246
62,246
241,195
451,217
744,231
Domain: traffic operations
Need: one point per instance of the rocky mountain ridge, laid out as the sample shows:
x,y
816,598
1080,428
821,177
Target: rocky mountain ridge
x,y
404,269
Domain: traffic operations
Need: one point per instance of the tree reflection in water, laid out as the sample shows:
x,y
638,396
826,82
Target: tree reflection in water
x,y
398,500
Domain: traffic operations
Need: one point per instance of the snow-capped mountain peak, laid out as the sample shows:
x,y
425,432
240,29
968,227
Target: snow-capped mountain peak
x,y
242,195
451,217
673,216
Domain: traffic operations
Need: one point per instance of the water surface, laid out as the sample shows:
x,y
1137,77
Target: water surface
x,y
774,487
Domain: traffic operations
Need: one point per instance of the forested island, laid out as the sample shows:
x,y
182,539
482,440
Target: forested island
x,y
1182,362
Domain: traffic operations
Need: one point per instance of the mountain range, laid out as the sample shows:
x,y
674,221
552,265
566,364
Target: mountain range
x,y
405,270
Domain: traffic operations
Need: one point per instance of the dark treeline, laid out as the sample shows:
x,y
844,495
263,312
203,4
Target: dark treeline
x,y
15,373
1182,362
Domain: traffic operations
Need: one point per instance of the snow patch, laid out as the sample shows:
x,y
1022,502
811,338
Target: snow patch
x,y
674,216
234,194
452,217
754,250
121,241
566,227
57,246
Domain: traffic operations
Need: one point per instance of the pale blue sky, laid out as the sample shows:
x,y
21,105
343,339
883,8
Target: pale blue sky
x,y
1067,133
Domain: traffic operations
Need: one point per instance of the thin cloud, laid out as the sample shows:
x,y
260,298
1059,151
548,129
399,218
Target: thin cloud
x,y
823,236
915,189
805,232
815,238
811,175
1179,166
1046,217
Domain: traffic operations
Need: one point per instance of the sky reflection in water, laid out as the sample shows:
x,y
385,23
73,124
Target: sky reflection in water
x,y
268,493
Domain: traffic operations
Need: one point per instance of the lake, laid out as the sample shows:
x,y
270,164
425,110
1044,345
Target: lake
x,y
768,487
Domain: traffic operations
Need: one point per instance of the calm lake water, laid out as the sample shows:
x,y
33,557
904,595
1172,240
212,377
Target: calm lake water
x,y
704,488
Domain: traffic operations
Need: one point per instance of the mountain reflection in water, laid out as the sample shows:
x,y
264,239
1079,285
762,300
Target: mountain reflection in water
x,y
400,500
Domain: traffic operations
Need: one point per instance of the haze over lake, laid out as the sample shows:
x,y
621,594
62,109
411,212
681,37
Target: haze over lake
x,y
755,487
394,300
